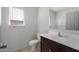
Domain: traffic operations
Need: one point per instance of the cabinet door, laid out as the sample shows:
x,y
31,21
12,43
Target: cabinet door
x,y
48,46
44,47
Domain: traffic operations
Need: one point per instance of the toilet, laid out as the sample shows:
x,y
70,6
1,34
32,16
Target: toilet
x,y
34,43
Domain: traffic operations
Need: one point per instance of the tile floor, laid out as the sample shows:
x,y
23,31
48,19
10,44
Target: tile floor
x,y
28,49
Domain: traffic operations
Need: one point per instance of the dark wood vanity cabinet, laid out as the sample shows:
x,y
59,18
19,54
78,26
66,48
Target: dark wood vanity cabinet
x,y
48,45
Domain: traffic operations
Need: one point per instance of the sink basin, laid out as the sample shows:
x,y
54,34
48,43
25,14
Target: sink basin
x,y
57,37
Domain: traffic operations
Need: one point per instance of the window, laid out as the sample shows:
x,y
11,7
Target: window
x,y
16,17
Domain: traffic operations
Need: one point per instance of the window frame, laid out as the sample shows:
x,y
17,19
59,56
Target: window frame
x,y
11,17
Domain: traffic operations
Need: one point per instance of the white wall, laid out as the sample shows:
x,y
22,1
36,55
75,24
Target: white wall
x,y
53,21
18,37
0,23
0,33
43,20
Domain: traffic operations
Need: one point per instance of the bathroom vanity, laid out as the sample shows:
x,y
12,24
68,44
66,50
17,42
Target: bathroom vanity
x,y
64,34
52,44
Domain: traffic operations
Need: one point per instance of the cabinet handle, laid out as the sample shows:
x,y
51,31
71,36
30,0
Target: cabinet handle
x,y
49,50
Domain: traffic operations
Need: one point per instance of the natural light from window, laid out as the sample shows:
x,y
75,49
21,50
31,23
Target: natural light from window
x,y
16,16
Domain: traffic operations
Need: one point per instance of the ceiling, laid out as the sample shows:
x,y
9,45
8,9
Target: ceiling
x,y
57,9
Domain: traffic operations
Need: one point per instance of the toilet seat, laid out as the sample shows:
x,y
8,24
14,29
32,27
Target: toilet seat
x,y
33,43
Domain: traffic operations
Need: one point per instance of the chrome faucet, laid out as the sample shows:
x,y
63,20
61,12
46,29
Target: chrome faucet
x,y
59,34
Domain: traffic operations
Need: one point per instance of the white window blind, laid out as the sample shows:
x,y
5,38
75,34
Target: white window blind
x,y
16,16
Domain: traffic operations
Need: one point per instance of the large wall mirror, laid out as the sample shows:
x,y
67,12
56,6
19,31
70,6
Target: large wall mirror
x,y
66,18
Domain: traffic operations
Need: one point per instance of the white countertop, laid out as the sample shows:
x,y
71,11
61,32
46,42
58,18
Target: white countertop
x,y
69,40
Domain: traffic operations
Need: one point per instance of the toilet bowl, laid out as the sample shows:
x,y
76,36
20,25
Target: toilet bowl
x,y
33,43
